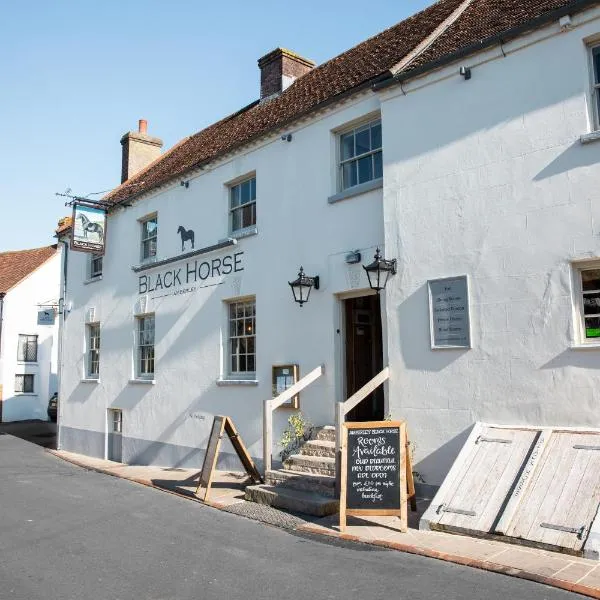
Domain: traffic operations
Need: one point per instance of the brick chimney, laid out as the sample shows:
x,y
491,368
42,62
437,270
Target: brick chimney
x,y
139,150
279,69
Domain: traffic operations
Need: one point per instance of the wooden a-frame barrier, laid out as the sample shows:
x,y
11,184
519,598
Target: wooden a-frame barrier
x,y
221,425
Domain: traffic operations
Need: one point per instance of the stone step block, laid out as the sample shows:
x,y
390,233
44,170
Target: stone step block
x,y
325,433
321,465
309,503
318,448
308,482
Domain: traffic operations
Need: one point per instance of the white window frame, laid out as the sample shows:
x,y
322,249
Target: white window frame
x,y
577,267
93,271
232,348
240,207
145,240
22,386
594,47
354,129
27,342
140,348
92,349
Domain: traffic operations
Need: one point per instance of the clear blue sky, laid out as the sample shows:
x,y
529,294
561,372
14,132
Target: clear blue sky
x,y
78,74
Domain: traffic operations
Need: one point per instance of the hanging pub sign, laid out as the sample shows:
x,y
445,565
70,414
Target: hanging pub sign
x,y
374,471
89,229
46,316
449,312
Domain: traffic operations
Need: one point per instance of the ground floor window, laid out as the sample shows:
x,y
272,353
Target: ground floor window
x,y
587,301
24,384
242,339
145,347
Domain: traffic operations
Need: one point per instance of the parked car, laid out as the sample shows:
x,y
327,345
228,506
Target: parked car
x,y
53,407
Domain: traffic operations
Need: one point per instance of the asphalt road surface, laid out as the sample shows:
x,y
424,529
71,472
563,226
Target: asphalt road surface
x,y
68,533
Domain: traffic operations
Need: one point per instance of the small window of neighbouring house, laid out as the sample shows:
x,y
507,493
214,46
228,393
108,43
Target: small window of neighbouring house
x,y
242,339
595,58
24,384
95,265
145,347
149,238
242,205
360,155
93,351
589,304
28,348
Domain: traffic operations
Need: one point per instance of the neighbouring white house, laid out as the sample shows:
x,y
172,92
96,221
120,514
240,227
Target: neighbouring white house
x,y
461,146
29,295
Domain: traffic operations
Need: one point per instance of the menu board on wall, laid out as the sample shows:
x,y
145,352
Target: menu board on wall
x,y
449,312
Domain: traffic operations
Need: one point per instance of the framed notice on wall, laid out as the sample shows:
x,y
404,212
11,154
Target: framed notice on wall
x,y
449,317
284,377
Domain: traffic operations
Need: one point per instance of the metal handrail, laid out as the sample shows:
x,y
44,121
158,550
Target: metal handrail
x,y
270,405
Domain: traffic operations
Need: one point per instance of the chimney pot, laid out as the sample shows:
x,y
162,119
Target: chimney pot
x,y
279,69
142,126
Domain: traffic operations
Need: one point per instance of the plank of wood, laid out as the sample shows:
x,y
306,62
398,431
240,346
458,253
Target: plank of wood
x,y
242,452
403,484
211,455
343,479
410,480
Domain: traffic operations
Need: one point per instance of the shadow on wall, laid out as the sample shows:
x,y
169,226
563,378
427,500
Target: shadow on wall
x,y
415,341
575,156
580,359
431,470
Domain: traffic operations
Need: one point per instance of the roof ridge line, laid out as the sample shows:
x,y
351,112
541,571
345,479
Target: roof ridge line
x,y
431,38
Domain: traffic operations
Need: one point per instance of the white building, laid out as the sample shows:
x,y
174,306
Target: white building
x,y
29,293
457,143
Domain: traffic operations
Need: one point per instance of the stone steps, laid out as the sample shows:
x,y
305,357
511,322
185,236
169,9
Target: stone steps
x,y
293,500
321,465
306,482
318,448
326,433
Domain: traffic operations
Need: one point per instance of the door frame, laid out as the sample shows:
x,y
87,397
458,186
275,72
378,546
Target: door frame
x,y
341,379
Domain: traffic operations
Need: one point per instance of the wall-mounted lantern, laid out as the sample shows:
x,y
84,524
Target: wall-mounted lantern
x,y
379,270
301,287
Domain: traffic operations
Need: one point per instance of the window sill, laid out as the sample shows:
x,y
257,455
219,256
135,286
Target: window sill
x,y
143,381
361,188
587,138
588,346
92,280
226,382
26,363
89,380
25,394
244,233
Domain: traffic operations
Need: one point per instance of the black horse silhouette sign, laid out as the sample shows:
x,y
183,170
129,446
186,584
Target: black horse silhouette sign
x,y
186,234
89,226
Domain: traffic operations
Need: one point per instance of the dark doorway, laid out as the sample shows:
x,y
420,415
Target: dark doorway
x,y
115,439
364,355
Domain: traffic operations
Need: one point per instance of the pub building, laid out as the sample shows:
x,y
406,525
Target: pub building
x,y
422,209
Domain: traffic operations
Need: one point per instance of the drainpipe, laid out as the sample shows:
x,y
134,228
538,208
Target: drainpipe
x,y
62,315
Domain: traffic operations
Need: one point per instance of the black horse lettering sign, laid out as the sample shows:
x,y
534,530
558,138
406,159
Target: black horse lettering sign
x,y
89,229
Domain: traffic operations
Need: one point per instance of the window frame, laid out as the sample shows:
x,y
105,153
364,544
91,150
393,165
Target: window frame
x,y
594,51
237,184
369,122
147,239
237,374
92,350
95,273
579,316
26,377
141,373
24,359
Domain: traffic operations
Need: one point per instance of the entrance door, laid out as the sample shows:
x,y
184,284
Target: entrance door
x,y
115,440
364,355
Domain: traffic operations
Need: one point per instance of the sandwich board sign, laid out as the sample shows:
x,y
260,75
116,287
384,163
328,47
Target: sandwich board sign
x,y
374,471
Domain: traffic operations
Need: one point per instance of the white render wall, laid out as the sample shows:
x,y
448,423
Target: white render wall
x,y
166,423
488,178
21,306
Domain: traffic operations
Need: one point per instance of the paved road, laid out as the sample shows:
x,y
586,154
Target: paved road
x,y
68,533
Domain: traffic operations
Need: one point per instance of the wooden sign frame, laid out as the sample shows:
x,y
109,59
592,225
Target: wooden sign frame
x,y
404,481
222,424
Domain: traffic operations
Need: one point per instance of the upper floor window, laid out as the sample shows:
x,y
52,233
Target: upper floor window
x,y
95,265
242,204
93,351
360,155
149,237
145,347
28,348
596,84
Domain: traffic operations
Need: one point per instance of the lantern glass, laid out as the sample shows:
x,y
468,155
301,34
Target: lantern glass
x,y
302,286
379,271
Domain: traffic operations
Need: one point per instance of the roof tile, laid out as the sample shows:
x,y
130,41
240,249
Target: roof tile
x,y
16,265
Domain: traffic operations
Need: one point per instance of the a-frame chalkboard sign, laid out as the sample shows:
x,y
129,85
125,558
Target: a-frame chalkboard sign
x,y
374,471
220,425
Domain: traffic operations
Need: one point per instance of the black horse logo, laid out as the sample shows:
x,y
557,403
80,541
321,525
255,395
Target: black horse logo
x,y
185,236
89,227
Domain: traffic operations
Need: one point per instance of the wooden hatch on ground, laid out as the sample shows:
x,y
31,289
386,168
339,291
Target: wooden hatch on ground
x,y
536,486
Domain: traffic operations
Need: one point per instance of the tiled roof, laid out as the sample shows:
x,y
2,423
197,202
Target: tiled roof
x,y
362,65
64,225
15,266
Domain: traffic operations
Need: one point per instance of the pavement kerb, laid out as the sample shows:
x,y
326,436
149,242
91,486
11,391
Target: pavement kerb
x,y
484,565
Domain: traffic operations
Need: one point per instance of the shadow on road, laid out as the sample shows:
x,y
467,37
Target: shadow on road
x,y
42,433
